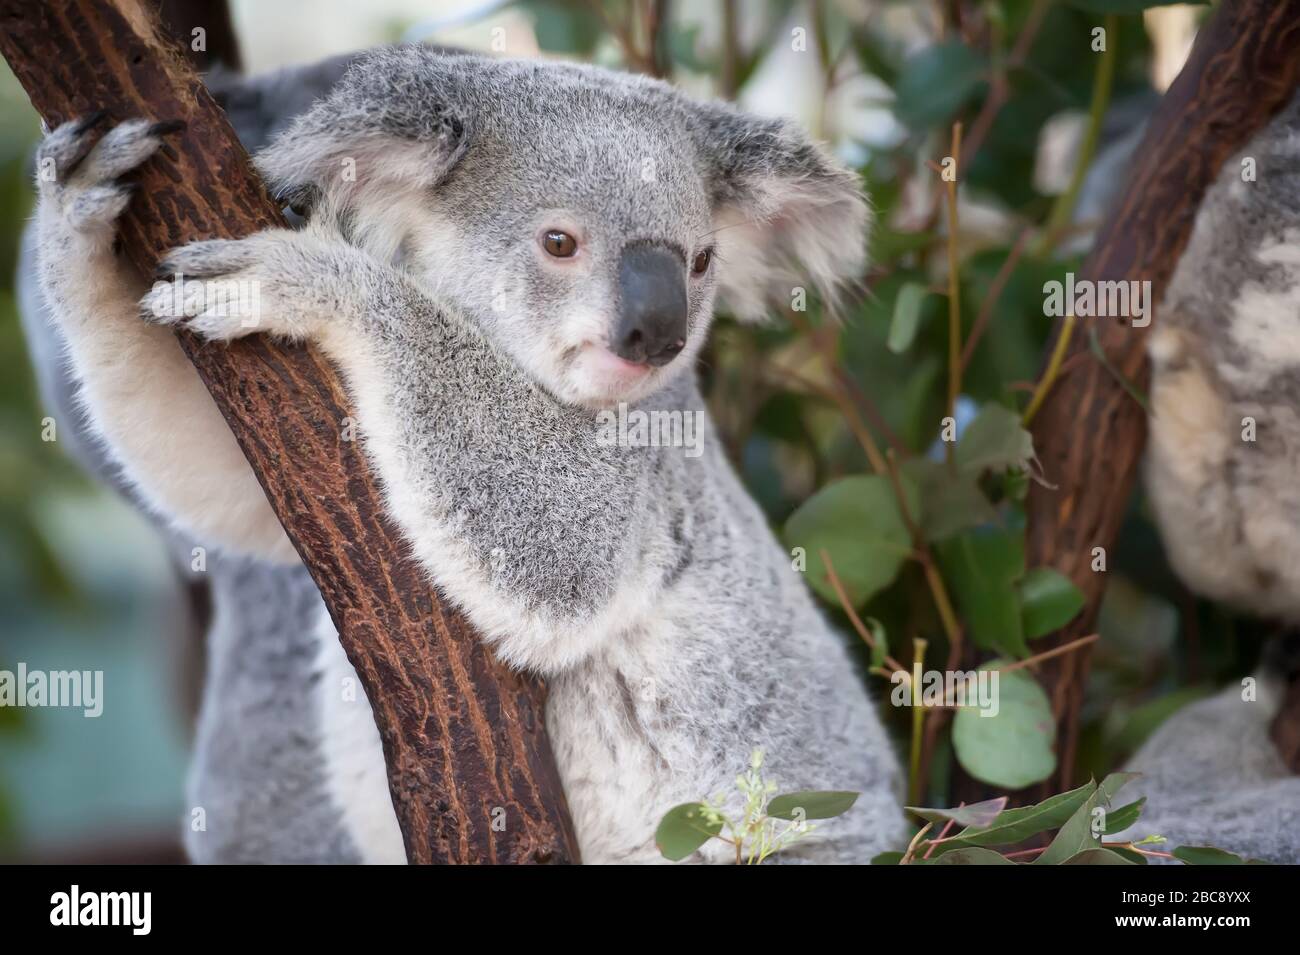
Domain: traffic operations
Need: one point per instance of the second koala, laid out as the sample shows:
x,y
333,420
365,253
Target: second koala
x,y
497,251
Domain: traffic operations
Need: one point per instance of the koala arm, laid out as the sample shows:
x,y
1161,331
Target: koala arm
x,y
141,395
547,539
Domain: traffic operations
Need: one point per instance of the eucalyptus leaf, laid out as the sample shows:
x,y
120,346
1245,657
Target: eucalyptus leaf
x,y
811,804
994,441
934,84
1120,819
950,502
887,858
857,521
1013,748
1206,855
981,567
976,814
1048,601
1017,825
881,649
684,829
907,317
1078,833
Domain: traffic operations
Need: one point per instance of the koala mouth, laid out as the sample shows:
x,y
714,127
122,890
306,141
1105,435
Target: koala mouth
x,y
604,362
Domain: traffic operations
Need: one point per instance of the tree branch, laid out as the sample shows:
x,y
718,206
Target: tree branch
x,y
469,766
1089,433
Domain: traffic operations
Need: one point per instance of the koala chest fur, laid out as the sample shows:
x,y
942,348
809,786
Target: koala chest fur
x,y
640,579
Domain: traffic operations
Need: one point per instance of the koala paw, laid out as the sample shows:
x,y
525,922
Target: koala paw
x,y
81,183
223,289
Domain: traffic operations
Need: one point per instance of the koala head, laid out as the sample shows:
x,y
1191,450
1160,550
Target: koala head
x,y
584,219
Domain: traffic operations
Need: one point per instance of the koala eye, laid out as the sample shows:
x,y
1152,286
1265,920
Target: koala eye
x,y
559,244
701,263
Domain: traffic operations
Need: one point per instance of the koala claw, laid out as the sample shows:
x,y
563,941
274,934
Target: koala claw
x,y
83,177
223,289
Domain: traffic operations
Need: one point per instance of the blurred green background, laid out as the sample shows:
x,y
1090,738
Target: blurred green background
x,y
85,582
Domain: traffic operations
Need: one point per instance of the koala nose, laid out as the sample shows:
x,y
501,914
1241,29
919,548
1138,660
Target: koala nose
x,y
651,325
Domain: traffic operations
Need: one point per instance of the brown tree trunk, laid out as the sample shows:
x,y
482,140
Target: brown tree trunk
x,y
1090,433
469,766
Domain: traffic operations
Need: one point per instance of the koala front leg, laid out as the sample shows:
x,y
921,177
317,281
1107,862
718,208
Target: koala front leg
x,y
504,493
140,393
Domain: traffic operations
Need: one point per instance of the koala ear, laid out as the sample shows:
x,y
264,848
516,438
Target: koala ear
x,y
788,216
388,126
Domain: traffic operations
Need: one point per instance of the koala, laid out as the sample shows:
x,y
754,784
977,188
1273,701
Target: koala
x,y
1220,472
497,255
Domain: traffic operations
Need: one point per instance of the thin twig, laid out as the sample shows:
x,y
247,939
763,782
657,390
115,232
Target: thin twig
x,y
954,286
991,300
854,619
1053,370
918,723
942,833
1103,80
1000,87
1048,654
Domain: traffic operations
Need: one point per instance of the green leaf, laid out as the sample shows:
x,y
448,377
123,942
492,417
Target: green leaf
x,y
1017,825
1077,833
887,858
936,83
811,804
1123,817
1012,749
684,829
857,521
564,28
994,441
1207,855
976,814
907,317
881,649
982,566
1097,857
972,855
1048,601
950,503
1125,6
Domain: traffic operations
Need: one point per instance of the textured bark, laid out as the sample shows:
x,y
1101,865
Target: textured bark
x,y
1089,434
463,736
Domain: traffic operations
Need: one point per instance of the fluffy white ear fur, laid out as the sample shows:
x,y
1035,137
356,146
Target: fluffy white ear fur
x,y
367,160
794,238
788,216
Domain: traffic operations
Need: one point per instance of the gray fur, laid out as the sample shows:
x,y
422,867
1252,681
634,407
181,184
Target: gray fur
x,y
1212,777
256,771
257,775
641,580
1225,358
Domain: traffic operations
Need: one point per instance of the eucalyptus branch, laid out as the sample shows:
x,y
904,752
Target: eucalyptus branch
x,y
954,285
1102,83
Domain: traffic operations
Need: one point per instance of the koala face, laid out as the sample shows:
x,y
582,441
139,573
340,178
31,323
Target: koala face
x,y
580,238
584,219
